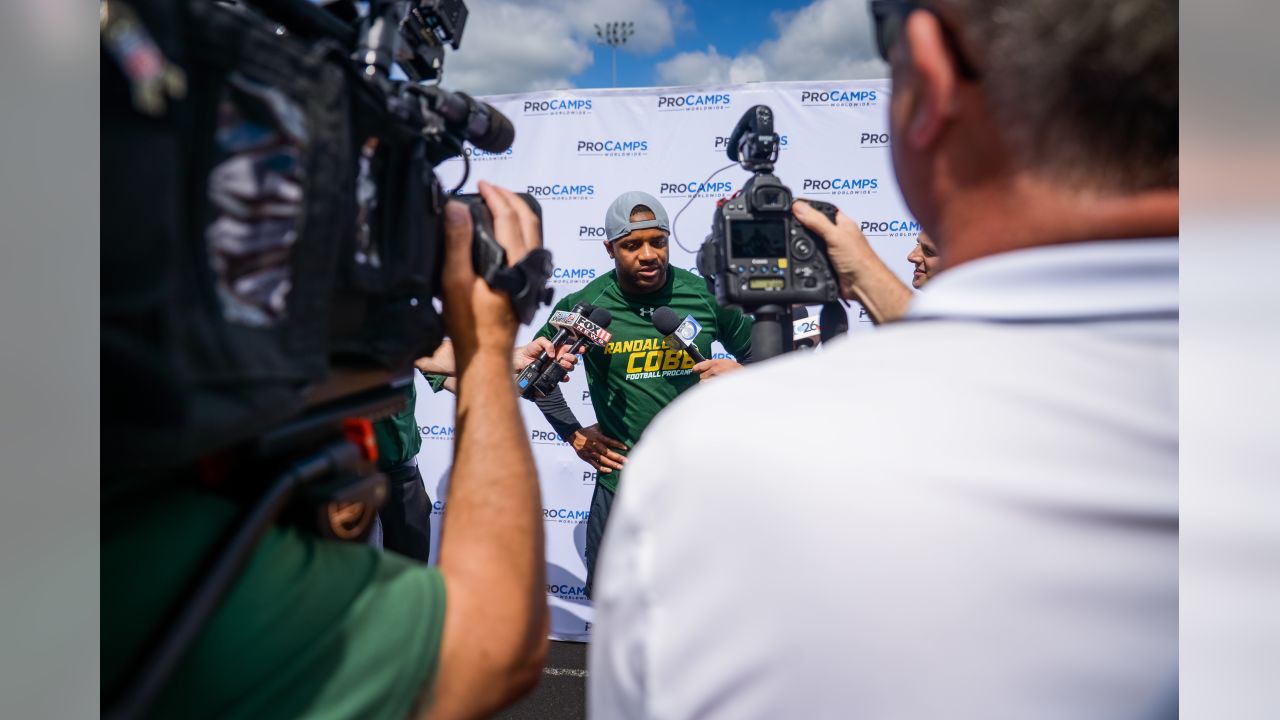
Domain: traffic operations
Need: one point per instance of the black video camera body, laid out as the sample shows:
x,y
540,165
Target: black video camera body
x,y
272,222
757,253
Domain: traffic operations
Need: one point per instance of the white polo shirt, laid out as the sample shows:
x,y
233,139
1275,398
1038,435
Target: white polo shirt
x,y
969,514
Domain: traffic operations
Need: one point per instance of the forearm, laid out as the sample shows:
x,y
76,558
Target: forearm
x,y
491,550
557,412
441,362
878,290
493,495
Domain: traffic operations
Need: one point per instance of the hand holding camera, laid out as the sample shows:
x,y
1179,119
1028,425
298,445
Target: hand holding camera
x,y
862,275
478,317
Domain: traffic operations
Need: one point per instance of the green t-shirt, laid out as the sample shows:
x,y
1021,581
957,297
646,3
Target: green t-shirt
x,y
312,628
397,436
636,374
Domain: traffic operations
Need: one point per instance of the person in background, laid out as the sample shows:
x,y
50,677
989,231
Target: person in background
x,y
636,375
924,256
404,520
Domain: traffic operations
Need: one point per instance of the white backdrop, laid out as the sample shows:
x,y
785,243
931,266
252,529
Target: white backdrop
x,y
578,150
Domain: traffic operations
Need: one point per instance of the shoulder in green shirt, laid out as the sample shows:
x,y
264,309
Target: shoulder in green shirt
x,y
636,375
312,628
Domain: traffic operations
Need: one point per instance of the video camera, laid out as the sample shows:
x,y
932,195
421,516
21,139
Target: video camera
x,y
272,242
271,213
758,256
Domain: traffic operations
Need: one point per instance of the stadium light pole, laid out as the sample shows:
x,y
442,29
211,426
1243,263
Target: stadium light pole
x,y
615,34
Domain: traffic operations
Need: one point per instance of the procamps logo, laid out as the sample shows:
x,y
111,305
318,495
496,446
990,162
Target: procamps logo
x,y
873,140
694,102
436,432
890,228
546,437
437,507
838,98
589,478
841,186
565,516
613,148
572,275
689,189
567,592
562,191
586,398
721,144
475,154
592,232
558,106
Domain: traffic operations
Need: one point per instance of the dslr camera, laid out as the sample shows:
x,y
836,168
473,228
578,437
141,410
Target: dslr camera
x,y
758,254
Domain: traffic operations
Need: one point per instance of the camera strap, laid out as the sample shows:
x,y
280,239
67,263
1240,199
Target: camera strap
x,y
526,283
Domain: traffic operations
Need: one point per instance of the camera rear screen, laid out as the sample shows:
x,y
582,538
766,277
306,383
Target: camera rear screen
x,y
758,238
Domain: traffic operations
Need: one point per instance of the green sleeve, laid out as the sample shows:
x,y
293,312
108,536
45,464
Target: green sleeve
x,y
435,381
735,332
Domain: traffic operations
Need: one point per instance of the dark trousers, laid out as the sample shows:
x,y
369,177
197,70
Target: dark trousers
x,y
601,501
406,516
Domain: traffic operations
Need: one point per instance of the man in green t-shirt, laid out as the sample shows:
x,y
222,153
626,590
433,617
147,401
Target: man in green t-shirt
x,y
404,520
321,629
635,375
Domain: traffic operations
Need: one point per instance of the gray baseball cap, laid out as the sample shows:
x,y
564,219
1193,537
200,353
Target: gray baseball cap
x,y
617,220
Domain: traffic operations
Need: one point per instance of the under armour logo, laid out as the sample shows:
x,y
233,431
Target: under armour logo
x,y
646,312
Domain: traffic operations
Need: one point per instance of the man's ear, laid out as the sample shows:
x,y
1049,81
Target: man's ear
x,y
933,70
608,247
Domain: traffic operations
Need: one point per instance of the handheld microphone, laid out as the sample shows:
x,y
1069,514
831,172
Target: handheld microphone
x,y
833,321
574,325
805,330
530,374
678,335
555,372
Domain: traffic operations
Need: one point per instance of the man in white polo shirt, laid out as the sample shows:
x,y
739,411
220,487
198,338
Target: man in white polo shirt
x,y
971,513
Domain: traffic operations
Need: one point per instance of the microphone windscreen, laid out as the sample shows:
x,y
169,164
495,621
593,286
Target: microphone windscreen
x,y
498,135
600,316
834,320
665,320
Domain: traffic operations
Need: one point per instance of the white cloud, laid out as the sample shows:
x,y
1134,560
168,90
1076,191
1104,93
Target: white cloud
x,y
521,45
711,68
825,40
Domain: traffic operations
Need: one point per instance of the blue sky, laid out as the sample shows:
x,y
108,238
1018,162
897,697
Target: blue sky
x,y
730,27
513,46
